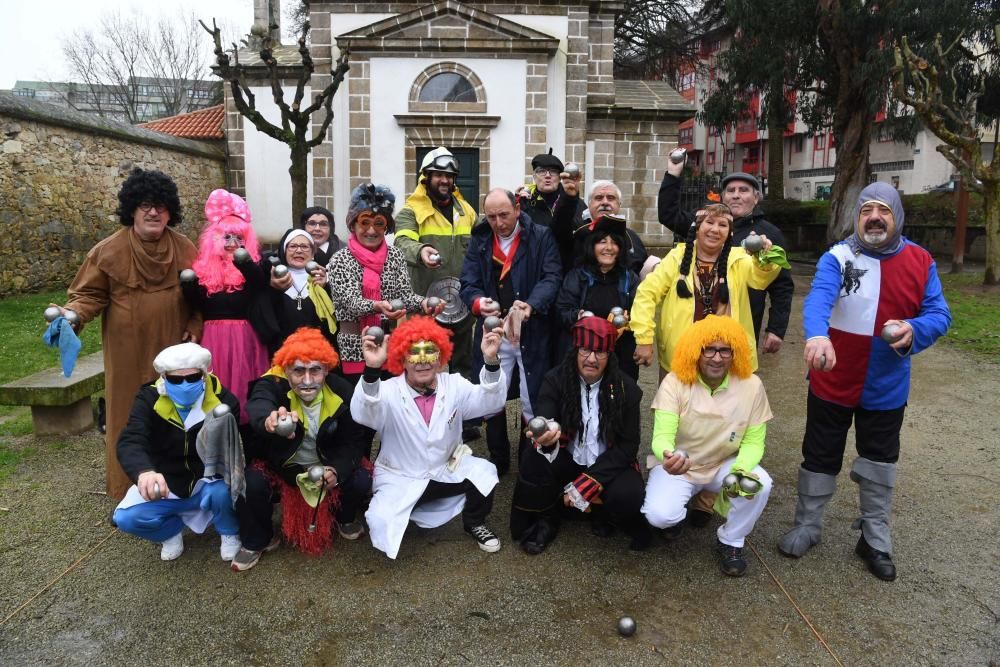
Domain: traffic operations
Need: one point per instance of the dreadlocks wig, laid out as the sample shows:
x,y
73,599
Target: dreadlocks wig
x,y
150,186
699,335
710,212
306,344
378,199
413,330
227,217
599,335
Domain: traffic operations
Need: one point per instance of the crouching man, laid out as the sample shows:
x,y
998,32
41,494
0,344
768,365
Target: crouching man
x,y
586,459
300,412
710,419
423,471
161,452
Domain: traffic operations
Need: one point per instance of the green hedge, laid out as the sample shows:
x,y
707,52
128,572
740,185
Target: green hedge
x,y
932,208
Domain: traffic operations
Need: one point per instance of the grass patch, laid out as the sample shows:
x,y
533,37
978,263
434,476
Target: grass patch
x,y
9,458
975,313
17,421
22,351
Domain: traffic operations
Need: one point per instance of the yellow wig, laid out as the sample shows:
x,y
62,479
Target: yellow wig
x,y
699,335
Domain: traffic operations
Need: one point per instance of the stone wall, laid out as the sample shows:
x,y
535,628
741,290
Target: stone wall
x,y
60,172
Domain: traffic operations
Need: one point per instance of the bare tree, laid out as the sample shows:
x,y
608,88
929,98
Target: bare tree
x,y
127,63
295,120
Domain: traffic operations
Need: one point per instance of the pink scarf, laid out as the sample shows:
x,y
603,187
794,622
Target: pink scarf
x,y
372,263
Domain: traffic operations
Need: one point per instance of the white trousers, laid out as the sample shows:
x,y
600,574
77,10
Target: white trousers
x,y
510,354
666,496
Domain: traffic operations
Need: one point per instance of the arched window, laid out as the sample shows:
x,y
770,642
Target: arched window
x,y
447,87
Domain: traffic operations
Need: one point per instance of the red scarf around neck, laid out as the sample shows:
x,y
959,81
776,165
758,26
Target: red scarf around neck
x,y
505,259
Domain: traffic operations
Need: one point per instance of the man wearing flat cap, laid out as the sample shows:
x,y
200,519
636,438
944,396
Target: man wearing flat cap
x,y
875,302
161,452
585,460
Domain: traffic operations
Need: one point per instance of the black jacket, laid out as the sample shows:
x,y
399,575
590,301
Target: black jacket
x,y
623,444
154,438
678,221
340,442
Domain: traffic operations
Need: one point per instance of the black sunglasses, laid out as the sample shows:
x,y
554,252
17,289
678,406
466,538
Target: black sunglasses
x,y
180,379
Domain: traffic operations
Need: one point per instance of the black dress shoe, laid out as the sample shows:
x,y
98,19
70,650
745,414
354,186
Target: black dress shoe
x,y
601,527
879,563
642,537
539,536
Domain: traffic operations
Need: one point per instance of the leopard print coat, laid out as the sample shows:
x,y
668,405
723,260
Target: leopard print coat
x,y
345,275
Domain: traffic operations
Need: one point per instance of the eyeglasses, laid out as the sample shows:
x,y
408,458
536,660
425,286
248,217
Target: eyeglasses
x,y
232,238
298,246
724,352
584,353
546,171
372,223
181,379
317,223
146,207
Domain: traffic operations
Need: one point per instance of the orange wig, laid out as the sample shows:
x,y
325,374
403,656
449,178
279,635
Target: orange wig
x,y
701,334
411,331
306,344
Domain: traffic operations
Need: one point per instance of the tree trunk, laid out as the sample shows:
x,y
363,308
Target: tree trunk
x,y
852,166
299,174
775,157
991,211
961,222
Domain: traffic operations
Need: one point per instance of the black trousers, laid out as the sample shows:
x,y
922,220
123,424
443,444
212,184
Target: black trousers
x,y
539,493
255,510
827,424
477,506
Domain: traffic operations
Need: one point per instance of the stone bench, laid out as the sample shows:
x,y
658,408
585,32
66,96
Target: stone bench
x,y
59,405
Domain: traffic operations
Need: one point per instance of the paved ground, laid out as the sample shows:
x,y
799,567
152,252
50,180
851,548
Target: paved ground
x,y
445,602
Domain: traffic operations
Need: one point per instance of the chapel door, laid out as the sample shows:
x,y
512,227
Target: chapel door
x,y
468,168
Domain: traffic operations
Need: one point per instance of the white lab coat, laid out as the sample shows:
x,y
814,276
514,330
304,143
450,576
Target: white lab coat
x,y
414,452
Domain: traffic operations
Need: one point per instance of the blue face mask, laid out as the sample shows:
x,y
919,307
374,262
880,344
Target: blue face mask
x,y
186,393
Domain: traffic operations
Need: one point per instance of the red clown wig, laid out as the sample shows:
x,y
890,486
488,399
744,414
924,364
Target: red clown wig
x,y
704,332
411,331
306,344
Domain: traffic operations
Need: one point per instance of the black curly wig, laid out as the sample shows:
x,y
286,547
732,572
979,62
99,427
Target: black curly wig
x,y
148,186
590,254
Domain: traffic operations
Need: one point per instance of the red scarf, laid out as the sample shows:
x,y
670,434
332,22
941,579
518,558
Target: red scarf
x,y
508,259
372,264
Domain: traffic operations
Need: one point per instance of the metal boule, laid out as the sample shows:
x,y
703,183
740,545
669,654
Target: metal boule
x,y
280,271
221,410
822,361
678,155
553,425
188,276
617,310
619,321
312,265
52,312
274,260
433,302
753,243
71,316
749,485
156,491
397,304
730,480
492,322
626,626
285,426
316,473
891,333
572,169
537,427
587,313
681,452
376,333
241,256
434,257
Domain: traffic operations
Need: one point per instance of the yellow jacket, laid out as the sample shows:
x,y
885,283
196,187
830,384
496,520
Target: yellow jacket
x,y
676,314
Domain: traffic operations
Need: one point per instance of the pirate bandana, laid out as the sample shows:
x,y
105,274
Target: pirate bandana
x,y
594,333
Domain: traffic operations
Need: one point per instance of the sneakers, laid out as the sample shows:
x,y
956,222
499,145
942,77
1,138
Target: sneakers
x,y
230,546
879,562
352,530
246,558
731,560
488,541
172,548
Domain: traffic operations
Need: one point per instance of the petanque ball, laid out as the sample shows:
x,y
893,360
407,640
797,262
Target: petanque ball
x,y
316,473
280,271
397,304
753,243
285,426
188,276
221,410
891,333
376,333
538,426
626,626
492,322
312,265
51,313
749,485
241,256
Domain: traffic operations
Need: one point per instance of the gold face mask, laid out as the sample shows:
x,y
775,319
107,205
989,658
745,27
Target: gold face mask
x,y
423,352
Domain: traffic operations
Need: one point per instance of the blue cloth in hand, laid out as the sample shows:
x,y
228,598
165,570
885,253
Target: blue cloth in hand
x,y
60,334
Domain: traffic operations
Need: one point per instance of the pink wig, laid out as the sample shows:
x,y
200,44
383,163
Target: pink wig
x,y
225,213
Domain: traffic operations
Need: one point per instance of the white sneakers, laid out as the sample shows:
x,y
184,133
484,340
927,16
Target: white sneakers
x,y
172,548
230,547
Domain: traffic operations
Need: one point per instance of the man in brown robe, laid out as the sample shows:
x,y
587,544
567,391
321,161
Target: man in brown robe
x,y
131,278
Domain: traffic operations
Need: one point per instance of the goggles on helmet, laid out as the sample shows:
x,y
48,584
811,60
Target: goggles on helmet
x,y
444,163
423,352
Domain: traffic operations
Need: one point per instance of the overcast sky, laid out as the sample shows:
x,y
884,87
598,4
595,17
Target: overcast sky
x,y
32,30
